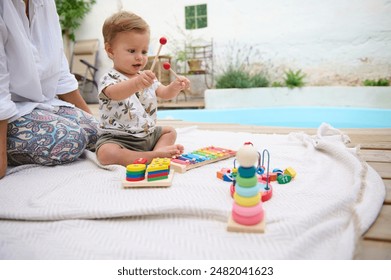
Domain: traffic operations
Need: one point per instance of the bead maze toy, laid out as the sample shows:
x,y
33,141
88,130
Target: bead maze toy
x,y
247,211
155,174
200,157
266,190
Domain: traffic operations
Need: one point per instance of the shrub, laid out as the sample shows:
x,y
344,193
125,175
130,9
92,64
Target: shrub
x,y
294,79
258,80
238,78
376,83
277,84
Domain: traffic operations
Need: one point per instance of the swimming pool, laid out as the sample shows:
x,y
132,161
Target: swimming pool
x,y
306,117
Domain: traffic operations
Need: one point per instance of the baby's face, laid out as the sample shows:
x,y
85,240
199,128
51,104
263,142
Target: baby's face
x,y
129,52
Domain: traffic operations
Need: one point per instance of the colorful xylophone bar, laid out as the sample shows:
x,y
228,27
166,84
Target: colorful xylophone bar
x,y
200,157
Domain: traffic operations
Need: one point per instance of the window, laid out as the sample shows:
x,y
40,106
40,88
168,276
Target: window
x,y
196,16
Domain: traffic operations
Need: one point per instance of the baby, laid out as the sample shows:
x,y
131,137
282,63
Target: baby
x,y
128,97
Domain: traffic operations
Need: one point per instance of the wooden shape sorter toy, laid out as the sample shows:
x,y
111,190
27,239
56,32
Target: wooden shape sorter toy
x,y
156,174
200,157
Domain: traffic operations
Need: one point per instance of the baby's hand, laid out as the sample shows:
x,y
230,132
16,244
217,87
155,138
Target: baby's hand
x,y
181,83
145,79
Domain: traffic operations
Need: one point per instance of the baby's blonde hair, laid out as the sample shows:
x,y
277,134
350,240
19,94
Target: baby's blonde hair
x,y
121,22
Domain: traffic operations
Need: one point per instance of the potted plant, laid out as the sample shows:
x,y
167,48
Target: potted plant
x,y
71,14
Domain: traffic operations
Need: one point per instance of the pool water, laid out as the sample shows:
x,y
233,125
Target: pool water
x,y
306,117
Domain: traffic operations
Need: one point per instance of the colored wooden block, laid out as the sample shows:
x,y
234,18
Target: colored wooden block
x,y
225,175
135,174
157,174
150,184
131,175
135,167
270,177
284,179
156,167
163,171
149,179
290,171
278,171
162,161
235,227
134,179
140,161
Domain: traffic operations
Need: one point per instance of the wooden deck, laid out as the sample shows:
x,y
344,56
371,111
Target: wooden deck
x,y
375,148
182,104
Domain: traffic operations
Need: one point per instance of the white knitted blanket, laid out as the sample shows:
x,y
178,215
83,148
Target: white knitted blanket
x,y
80,210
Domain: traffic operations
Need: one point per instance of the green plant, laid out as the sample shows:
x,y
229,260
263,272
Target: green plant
x,y
277,84
377,83
238,69
180,55
294,78
71,13
239,78
259,80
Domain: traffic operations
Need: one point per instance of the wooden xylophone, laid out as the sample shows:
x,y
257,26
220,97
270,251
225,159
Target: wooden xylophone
x,y
200,157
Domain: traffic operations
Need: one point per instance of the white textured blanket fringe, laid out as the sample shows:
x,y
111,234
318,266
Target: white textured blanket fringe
x,y
80,211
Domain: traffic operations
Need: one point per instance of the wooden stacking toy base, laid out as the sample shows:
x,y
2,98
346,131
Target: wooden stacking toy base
x,y
235,227
163,183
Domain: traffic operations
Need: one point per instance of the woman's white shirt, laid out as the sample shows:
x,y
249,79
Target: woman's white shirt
x,y
33,67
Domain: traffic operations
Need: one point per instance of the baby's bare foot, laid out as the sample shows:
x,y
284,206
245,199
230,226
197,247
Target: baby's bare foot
x,y
170,151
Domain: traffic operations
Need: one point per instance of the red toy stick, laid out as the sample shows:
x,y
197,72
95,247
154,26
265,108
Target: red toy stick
x,y
167,66
162,42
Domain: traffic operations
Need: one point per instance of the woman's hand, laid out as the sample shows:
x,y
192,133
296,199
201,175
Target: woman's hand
x,y
3,147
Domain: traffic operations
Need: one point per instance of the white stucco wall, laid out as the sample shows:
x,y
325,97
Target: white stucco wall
x,y
335,42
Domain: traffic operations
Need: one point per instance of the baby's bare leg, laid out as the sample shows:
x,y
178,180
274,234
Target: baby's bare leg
x,y
166,142
167,138
111,153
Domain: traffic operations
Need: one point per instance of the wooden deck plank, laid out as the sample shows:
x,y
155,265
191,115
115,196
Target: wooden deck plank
x,y
383,168
376,155
381,229
191,104
373,250
387,183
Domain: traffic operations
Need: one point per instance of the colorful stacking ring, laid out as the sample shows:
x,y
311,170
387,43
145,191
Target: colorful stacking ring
x,y
246,182
248,221
136,167
246,172
248,192
246,201
134,179
247,211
